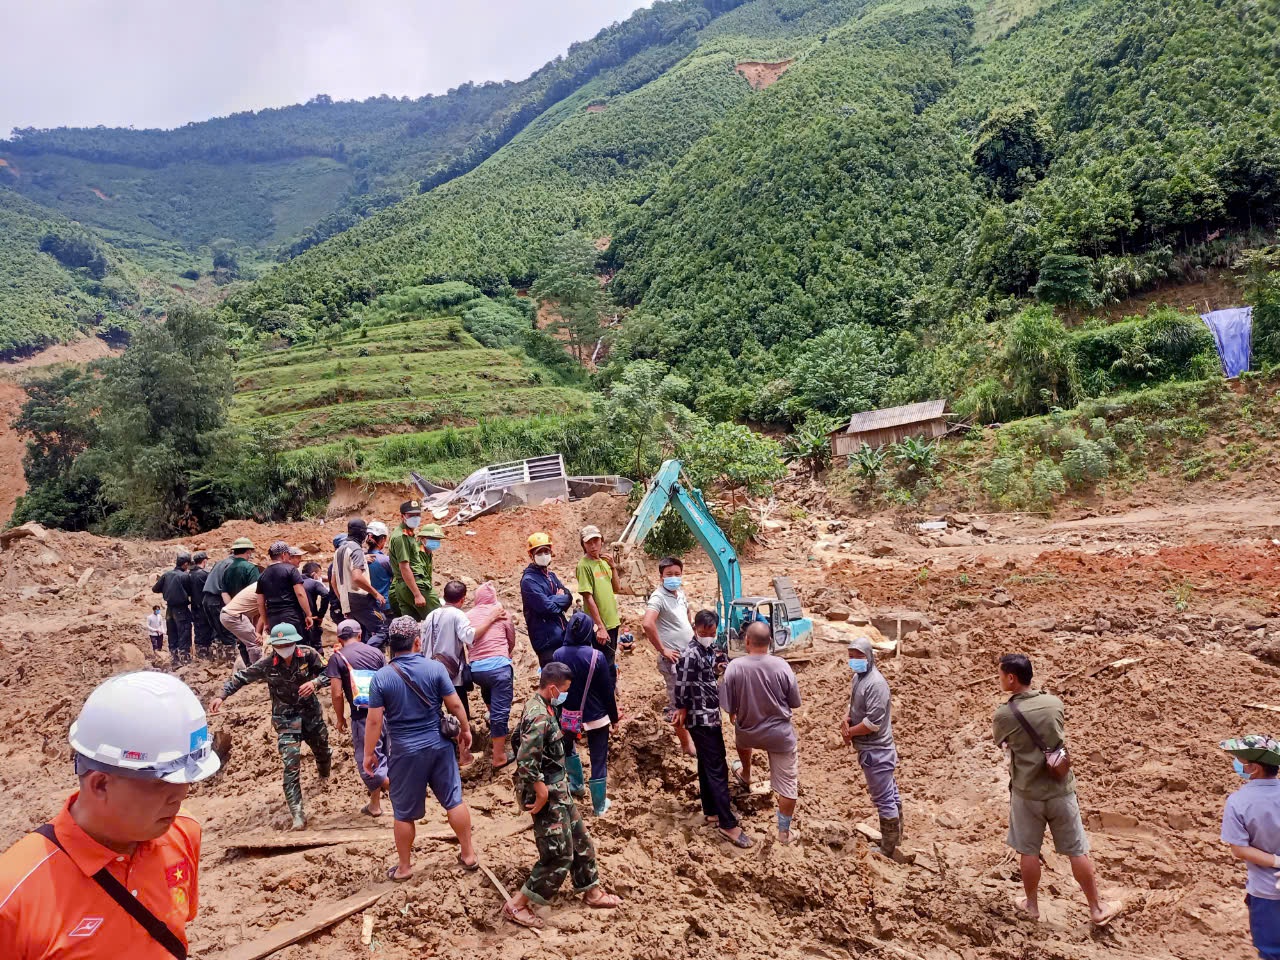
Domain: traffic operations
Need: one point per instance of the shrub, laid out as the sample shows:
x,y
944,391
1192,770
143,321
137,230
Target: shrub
x,y
1085,464
997,479
1047,481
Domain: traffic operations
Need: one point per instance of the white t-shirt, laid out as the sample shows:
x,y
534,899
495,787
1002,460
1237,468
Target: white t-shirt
x,y
447,631
155,623
674,630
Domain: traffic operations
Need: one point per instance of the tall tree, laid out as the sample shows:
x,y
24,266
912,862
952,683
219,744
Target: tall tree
x,y
567,288
161,403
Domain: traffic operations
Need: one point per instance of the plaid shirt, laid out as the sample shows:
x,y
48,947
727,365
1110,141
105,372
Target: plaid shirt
x,y
696,689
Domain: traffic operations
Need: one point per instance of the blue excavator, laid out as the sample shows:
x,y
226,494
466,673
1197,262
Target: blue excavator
x,y
790,628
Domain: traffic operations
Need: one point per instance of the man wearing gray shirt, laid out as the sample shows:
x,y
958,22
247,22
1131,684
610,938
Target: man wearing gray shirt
x,y
868,726
760,691
668,623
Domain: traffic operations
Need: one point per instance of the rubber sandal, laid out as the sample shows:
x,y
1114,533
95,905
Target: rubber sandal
x,y
601,905
391,875
365,810
742,841
469,867
509,912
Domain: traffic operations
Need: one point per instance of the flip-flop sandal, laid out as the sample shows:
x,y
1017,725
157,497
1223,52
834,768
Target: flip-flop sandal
x,y
391,875
511,758
368,813
742,841
533,922
609,901
469,867
741,784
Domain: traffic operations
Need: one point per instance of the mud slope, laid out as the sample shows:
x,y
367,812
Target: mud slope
x,y
1144,734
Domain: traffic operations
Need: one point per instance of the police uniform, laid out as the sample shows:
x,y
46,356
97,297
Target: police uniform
x,y
564,845
406,547
296,718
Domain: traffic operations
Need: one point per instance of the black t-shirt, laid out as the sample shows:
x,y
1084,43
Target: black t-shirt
x,y
276,585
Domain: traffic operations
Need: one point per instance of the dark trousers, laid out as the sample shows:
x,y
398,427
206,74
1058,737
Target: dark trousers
x,y
546,656
203,631
713,775
1264,926
610,649
179,624
366,613
598,747
294,617
212,603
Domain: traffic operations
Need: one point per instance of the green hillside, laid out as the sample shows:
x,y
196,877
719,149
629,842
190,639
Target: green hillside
x,y
864,230
406,366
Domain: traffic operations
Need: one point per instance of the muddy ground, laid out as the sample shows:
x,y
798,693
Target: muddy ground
x,y
1186,592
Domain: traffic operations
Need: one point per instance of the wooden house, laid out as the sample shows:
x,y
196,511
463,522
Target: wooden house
x,y
879,428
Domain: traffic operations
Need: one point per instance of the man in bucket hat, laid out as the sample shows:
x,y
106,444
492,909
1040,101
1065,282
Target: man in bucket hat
x,y
293,673
114,873
1251,826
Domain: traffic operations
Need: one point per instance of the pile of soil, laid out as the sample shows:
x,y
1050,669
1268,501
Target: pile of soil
x,y
1144,733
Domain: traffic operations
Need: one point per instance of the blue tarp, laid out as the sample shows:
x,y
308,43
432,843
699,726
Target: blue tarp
x,y
1233,332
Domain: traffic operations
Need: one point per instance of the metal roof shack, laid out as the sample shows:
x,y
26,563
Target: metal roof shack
x,y
878,428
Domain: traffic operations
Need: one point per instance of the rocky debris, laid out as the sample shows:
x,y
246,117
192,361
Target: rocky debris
x,y
899,623
32,529
998,598
881,549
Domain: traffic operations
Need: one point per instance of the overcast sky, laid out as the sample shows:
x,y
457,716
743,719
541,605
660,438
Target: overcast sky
x,y
162,63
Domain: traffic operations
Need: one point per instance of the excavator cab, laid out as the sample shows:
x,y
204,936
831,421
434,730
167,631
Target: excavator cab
x,y
787,631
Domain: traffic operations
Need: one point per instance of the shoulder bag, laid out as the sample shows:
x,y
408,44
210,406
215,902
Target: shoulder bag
x,y
450,728
156,928
1057,762
360,681
571,720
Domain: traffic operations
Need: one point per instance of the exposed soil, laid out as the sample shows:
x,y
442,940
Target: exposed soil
x,y
1190,595
12,396
597,107
761,75
1217,290
13,484
99,194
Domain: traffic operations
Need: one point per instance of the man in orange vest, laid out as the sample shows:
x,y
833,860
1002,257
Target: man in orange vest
x,y
114,873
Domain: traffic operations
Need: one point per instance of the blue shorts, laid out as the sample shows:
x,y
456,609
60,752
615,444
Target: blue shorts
x,y
498,688
411,772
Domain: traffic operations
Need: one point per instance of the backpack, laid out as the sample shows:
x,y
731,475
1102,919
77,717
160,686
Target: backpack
x,y
360,681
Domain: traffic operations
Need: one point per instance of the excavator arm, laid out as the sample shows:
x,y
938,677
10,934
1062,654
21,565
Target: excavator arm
x,y
667,490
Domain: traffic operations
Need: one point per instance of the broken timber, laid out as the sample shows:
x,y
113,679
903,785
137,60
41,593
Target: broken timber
x,y
1263,706
873,835
321,918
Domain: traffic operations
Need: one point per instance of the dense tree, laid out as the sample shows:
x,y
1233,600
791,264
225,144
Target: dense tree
x,y
1012,148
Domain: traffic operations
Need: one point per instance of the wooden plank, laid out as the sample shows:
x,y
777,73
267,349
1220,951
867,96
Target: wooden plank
x,y
293,840
1263,706
1113,665
312,922
506,897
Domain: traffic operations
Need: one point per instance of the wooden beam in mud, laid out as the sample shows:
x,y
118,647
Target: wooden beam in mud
x,y
312,922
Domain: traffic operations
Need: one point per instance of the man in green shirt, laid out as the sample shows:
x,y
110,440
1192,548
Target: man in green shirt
x,y
242,570
1027,724
410,551
598,584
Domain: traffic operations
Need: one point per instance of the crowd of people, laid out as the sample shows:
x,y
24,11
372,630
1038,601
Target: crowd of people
x,y
401,672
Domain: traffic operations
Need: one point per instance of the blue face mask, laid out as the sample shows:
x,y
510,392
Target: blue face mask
x,y
671,583
561,698
431,544
859,666
1238,767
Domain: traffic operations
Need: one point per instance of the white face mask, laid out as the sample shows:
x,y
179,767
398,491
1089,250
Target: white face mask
x,y
412,522
542,559
706,641
283,652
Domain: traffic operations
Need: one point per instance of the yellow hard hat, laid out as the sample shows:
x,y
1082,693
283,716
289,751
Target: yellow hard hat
x,y
539,539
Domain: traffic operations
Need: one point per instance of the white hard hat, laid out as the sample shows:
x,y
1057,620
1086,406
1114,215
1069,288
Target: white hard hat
x,y
147,725
377,529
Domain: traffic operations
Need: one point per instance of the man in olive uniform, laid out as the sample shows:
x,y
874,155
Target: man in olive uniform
x,y
293,673
175,586
411,546
564,846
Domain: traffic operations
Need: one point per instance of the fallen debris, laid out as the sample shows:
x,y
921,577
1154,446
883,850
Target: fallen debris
x,y
321,918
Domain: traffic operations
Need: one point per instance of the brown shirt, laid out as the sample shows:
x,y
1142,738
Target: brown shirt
x,y
1028,775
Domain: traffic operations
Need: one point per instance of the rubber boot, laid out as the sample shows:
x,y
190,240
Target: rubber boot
x,y
890,834
577,784
299,818
599,802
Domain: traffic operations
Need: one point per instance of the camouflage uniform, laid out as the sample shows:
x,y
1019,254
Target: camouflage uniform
x,y
295,718
563,842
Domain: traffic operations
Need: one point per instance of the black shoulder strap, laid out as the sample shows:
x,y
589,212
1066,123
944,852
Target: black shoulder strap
x,y
1026,725
157,929
411,685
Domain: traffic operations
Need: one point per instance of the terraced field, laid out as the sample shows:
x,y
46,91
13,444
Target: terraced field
x,y
419,375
